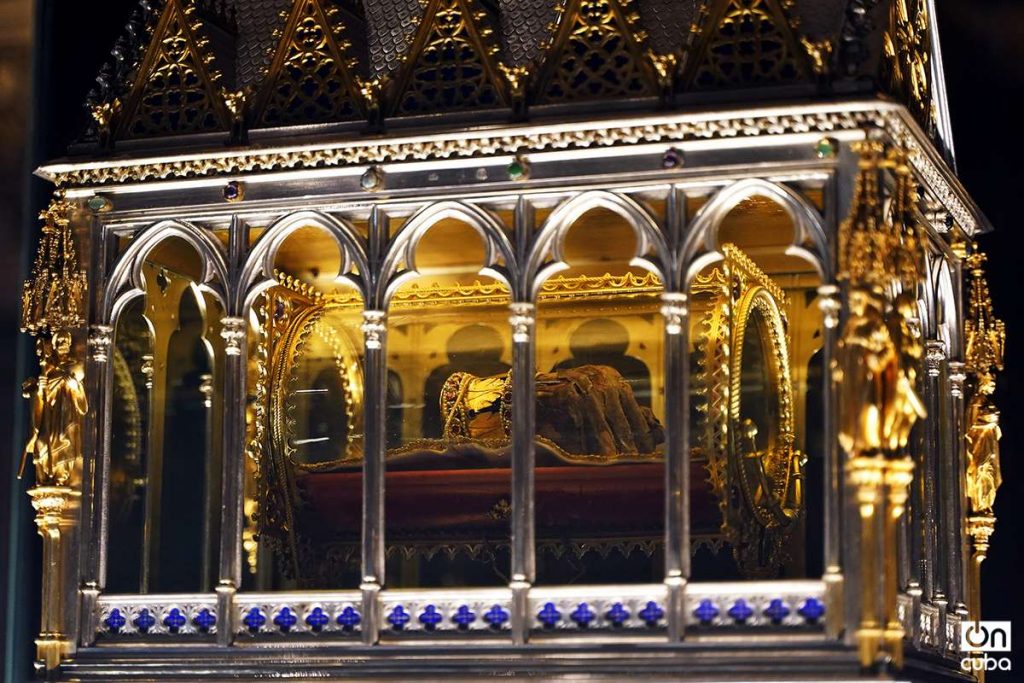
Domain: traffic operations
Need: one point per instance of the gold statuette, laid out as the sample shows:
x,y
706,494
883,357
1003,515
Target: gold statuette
x,y
984,347
58,404
875,374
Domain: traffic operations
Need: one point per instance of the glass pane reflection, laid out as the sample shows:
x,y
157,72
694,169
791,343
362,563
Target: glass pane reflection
x,y
599,479
166,430
448,419
755,327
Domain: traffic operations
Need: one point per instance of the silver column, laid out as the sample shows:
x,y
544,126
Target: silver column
x,y
375,339
522,320
677,456
94,498
233,331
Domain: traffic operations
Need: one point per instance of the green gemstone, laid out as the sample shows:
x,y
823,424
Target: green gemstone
x,y
97,203
826,148
516,170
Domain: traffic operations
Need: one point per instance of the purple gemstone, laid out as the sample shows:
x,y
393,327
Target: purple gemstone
x,y
232,191
672,158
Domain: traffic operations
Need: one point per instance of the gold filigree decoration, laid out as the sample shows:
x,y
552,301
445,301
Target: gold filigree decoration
x,y
878,249
275,520
769,480
176,89
311,77
985,334
254,507
345,359
819,52
746,42
875,372
305,290
907,46
598,51
558,289
450,64
984,348
53,298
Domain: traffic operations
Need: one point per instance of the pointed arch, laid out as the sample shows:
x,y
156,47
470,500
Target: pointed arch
x,y
257,271
547,254
128,281
746,42
597,51
176,88
497,247
450,63
946,306
927,291
311,77
810,241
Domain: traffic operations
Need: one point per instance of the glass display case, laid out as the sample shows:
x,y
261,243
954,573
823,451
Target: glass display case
x,y
570,357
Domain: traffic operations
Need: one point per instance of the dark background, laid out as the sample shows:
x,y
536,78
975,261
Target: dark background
x,y
43,83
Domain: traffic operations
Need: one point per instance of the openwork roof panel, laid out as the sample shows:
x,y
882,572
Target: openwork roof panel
x,y
409,59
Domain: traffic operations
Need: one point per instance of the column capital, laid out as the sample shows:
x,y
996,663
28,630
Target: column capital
x,y
374,328
674,310
233,331
830,305
522,321
957,377
934,356
101,337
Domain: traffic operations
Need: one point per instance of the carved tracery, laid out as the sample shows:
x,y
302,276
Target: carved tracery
x,y
747,42
176,88
598,51
312,77
450,64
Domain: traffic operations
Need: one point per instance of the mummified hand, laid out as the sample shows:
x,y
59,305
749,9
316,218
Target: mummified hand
x,y
592,410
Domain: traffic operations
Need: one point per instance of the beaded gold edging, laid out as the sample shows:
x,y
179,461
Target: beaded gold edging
x,y
558,289
735,289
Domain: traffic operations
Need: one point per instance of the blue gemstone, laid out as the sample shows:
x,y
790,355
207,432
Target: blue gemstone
x,y
285,620
549,616
496,616
430,617
174,620
254,619
812,610
706,612
348,618
651,613
115,621
463,617
582,615
740,611
205,620
316,619
398,617
776,611
144,620
617,615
